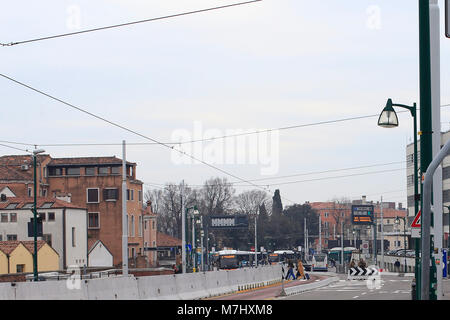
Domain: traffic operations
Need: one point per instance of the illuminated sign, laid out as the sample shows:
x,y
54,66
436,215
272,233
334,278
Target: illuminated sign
x,y
362,214
227,222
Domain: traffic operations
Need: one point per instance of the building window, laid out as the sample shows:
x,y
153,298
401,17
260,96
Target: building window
x,y
92,195
44,192
132,226
47,238
153,225
11,237
115,170
54,172
4,217
1,237
73,237
13,217
20,268
42,216
103,171
145,225
140,226
326,214
130,194
90,171
73,171
51,216
94,221
30,191
140,195
110,194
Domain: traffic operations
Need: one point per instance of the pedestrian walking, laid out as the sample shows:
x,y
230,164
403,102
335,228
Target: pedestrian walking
x,y
352,264
362,263
300,270
290,270
397,265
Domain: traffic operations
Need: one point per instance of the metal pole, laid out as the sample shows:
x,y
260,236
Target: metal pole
x,y
201,241
404,239
256,244
416,207
124,213
435,38
342,245
320,234
183,231
35,265
382,234
193,243
426,290
425,129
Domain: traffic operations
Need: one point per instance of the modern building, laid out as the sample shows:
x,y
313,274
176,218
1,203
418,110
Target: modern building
x,y
94,183
17,257
64,226
445,136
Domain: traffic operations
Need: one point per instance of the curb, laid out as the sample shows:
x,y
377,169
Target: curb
x,y
310,286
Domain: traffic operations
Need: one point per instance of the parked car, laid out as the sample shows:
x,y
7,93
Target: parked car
x,y
400,252
410,253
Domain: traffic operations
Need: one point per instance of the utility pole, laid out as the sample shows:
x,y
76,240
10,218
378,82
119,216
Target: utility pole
x,y
435,39
202,234
320,233
183,231
124,213
256,243
382,234
426,150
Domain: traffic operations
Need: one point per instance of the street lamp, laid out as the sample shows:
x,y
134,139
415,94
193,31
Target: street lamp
x,y
35,265
397,221
388,119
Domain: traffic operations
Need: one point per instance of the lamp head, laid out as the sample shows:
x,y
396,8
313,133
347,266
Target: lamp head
x,y
388,117
37,151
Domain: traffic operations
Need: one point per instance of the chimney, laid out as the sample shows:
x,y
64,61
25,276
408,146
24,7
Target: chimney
x,y
3,197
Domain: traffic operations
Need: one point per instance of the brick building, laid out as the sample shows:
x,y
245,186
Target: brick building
x,y
91,182
332,215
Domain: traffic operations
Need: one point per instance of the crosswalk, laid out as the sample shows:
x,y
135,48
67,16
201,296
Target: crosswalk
x,y
362,288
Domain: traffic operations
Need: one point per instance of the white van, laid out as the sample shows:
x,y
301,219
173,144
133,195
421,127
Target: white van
x,y
319,262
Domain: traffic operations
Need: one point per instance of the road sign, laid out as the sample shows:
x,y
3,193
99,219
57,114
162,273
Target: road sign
x,y
360,271
417,222
362,214
447,18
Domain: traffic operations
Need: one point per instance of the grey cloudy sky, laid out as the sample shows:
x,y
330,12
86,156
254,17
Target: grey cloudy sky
x,y
269,64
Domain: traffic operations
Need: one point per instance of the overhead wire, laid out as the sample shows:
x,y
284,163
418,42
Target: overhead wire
x,y
127,129
125,24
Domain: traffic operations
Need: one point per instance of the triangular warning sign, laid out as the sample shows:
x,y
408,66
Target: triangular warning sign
x,y
416,222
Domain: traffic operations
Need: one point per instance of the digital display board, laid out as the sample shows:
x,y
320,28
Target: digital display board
x,y
227,222
362,214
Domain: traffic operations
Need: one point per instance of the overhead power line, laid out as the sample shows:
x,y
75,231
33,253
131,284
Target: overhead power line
x,y
202,140
129,130
125,24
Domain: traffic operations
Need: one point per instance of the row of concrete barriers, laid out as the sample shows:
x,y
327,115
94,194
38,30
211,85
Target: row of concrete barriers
x,y
188,286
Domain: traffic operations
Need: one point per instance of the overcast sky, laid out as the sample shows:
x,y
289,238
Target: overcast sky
x,y
263,65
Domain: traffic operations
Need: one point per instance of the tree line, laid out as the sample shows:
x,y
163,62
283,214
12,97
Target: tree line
x,y
278,226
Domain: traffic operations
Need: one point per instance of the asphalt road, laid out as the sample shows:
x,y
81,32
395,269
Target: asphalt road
x,y
389,287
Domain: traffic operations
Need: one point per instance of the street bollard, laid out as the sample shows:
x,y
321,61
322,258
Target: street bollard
x,y
413,289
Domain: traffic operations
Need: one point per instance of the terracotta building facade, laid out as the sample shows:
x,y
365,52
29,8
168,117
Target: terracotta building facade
x,y
91,182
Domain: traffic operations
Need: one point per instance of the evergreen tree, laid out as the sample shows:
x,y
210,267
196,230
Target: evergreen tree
x,y
277,206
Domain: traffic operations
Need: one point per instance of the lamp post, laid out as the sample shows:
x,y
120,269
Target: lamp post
x,y
388,119
397,220
194,213
35,265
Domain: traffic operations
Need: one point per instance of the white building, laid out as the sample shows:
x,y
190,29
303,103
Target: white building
x,y
100,256
64,226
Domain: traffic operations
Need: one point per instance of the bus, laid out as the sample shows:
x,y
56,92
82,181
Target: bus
x,y
335,254
319,262
281,256
233,259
